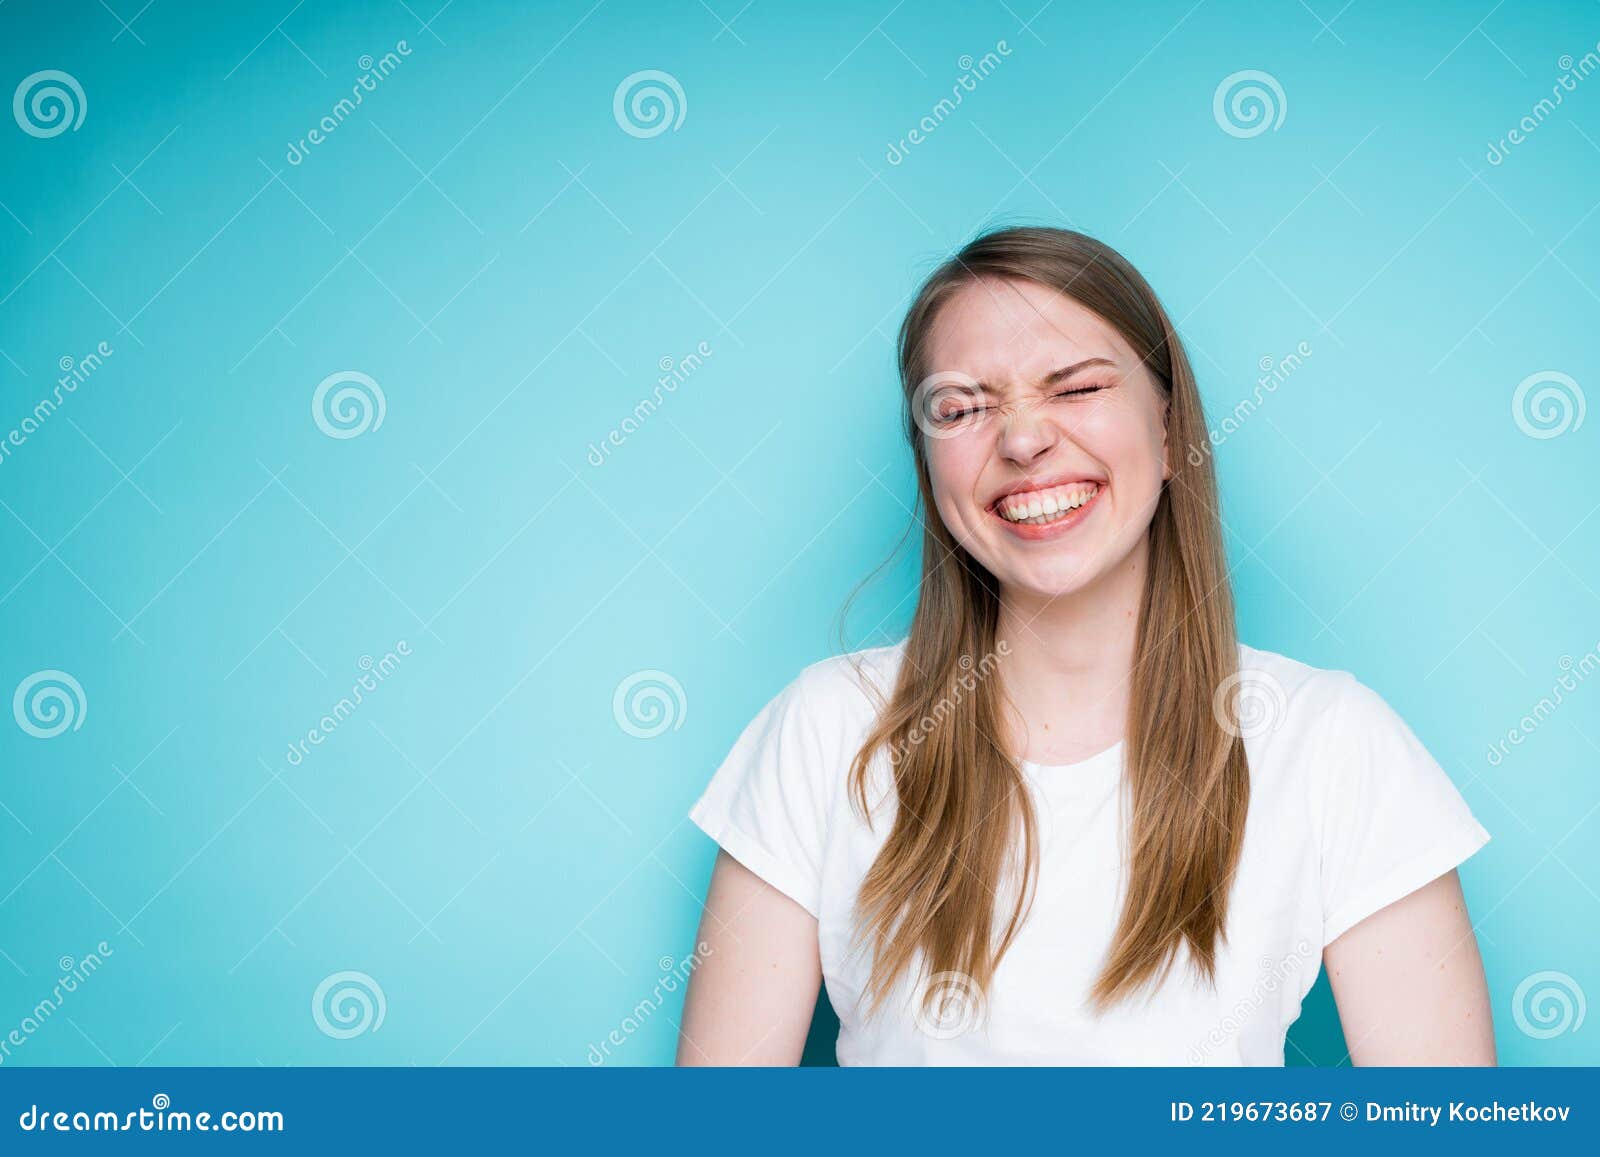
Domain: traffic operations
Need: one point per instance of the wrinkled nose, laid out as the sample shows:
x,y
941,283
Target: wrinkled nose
x,y
1027,436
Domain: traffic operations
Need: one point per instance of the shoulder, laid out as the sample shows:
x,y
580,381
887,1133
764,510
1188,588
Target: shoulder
x,y
1324,723
852,682
833,701
1298,718
1293,676
800,745
1285,691
836,701
771,803
1384,817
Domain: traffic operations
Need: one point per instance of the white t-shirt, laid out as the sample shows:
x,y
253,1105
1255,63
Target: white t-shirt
x,y
1348,813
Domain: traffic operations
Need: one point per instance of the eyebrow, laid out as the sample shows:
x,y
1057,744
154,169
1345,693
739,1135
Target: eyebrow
x,y
1057,376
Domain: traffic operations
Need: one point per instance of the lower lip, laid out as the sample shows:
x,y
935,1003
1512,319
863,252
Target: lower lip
x,y
1048,530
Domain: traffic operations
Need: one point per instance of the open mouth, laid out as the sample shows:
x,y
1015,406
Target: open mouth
x,y
1048,506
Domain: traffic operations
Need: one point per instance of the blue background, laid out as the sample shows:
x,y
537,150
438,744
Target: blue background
x,y
484,240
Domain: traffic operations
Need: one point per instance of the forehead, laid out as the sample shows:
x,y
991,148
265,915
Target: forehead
x,y
1005,331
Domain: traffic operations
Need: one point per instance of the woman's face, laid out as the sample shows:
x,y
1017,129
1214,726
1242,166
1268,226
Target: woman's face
x,y
1046,436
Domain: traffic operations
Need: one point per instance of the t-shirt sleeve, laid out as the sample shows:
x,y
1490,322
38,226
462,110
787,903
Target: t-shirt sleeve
x,y
768,803
1391,819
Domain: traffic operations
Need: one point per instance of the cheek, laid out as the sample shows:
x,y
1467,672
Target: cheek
x,y
1126,440
954,467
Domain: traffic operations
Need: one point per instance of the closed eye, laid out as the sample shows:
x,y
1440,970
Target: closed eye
x,y
1080,390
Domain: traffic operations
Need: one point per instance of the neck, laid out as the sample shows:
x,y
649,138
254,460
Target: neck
x,y
1069,663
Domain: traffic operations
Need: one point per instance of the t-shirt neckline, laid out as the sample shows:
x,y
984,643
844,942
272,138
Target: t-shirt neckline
x,y
1106,760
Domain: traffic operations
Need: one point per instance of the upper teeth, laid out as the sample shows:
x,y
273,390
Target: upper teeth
x,y
1043,503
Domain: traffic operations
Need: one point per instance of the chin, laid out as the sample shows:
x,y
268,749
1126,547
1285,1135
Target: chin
x,y
1061,580
1049,569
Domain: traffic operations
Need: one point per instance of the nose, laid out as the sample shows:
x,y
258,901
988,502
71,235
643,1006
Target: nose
x,y
1027,436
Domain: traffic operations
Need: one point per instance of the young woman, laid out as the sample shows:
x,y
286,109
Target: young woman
x,y
1071,819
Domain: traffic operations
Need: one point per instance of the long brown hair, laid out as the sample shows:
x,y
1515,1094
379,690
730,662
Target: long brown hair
x,y
964,829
